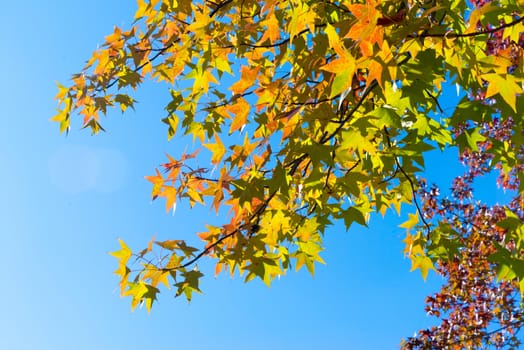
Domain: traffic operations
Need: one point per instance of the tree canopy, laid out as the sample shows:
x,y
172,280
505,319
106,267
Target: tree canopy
x,y
315,111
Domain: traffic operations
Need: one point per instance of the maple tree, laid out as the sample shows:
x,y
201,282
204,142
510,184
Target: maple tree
x,y
318,111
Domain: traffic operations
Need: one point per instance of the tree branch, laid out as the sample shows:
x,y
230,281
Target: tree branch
x,y
210,247
328,137
411,183
466,35
161,51
219,6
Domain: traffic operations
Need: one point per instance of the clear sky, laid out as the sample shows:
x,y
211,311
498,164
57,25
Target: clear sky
x,y
66,200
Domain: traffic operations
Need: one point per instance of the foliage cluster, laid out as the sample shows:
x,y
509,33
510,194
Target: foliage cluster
x,y
317,111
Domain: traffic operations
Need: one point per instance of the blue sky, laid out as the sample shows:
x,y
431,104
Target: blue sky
x,y
66,200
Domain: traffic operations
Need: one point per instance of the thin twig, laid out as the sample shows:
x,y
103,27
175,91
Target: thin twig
x,y
206,250
435,100
466,35
161,51
251,218
389,178
219,6
411,183
328,137
518,323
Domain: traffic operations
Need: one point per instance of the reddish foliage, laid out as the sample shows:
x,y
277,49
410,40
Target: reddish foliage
x,y
475,308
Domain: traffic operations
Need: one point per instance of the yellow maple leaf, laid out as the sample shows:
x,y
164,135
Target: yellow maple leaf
x,y
115,40
505,85
218,150
202,80
411,222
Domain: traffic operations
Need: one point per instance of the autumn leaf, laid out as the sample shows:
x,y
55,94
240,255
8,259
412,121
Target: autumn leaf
x,y
158,182
505,85
247,80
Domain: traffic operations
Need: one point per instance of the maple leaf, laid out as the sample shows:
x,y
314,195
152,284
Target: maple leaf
x,y
247,79
218,149
158,182
240,112
423,263
365,29
273,30
505,85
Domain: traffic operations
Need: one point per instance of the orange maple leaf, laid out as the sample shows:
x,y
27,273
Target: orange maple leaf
x,y
157,181
366,29
247,79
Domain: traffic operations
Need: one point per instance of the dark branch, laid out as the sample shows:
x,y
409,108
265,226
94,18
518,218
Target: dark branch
x,y
219,6
411,183
434,98
161,51
466,35
328,137
389,178
206,250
